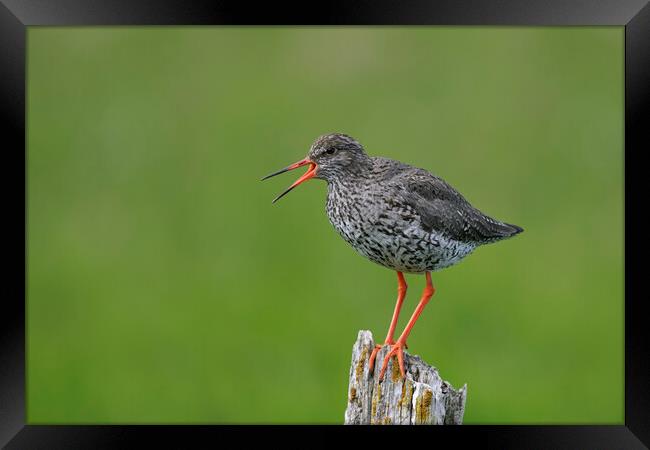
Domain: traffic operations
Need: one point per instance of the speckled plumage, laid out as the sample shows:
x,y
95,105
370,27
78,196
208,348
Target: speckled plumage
x,y
396,215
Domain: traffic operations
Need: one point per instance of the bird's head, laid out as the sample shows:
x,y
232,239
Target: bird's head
x,y
331,157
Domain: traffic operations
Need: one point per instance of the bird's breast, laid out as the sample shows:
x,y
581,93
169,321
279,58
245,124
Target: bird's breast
x,y
348,212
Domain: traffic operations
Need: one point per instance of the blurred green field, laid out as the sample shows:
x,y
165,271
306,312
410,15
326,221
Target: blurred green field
x,y
163,286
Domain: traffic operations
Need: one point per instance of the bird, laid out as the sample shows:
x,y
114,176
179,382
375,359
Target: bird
x,y
399,216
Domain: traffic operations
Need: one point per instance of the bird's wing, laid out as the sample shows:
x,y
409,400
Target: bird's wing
x,y
444,210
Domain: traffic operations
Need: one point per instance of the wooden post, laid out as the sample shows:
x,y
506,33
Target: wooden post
x,y
422,398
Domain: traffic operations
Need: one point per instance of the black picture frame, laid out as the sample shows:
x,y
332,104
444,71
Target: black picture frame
x,y
16,15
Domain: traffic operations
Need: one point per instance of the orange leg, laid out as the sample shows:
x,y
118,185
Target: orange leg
x,y
401,293
398,348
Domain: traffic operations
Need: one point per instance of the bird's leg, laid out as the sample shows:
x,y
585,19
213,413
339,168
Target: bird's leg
x,y
398,348
401,293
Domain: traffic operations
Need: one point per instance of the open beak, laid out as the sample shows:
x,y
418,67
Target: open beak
x,y
309,174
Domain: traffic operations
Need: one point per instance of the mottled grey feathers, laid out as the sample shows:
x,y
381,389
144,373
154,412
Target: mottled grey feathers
x,y
444,209
397,215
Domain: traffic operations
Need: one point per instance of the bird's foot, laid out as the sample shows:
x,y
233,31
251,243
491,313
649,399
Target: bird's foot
x,y
396,350
373,355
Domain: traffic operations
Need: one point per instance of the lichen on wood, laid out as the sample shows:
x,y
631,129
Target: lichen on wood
x,y
423,397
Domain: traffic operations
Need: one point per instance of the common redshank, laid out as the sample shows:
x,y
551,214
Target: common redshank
x,y
399,216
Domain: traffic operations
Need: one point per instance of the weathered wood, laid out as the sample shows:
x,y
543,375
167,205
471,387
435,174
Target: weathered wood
x,y
422,398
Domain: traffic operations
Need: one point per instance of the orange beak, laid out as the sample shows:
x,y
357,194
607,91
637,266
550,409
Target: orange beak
x,y
309,174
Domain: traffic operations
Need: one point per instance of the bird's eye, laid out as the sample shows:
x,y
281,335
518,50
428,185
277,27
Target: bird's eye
x,y
329,151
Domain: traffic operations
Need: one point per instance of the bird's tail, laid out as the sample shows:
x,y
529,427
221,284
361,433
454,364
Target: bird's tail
x,y
511,229
494,231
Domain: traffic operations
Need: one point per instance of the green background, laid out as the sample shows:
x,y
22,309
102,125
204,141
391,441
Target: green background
x,y
163,286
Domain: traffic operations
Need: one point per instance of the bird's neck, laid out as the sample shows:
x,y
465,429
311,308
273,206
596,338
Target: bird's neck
x,y
344,186
354,174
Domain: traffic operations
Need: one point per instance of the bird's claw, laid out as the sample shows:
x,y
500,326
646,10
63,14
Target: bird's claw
x,y
373,355
396,350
